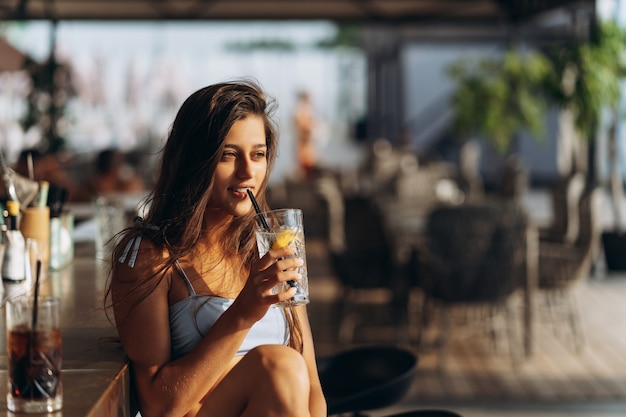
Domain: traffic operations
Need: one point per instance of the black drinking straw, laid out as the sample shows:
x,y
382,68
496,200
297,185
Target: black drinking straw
x,y
36,297
258,210
264,222
32,340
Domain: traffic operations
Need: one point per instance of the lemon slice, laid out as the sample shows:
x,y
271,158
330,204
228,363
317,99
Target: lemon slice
x,y
284,238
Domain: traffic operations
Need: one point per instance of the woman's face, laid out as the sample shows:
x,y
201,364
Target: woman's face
x,y
243,165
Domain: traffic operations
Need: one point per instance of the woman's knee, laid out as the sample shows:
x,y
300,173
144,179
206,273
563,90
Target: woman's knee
x,y
281,363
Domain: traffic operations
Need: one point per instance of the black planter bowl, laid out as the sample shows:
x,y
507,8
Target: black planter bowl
x,y
427,413
614,244
366,378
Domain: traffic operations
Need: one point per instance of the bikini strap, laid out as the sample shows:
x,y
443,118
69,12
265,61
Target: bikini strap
x,y
186,278
135,242
130,251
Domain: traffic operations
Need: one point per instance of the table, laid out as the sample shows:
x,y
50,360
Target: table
x,y
95,374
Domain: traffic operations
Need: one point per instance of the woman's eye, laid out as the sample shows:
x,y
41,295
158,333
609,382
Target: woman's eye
x,y
229,155
259,155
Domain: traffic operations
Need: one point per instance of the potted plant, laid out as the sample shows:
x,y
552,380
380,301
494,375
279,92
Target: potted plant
x,y
591,74
495,99
499,97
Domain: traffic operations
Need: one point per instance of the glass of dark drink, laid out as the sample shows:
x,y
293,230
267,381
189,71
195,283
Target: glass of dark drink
x,y
34,355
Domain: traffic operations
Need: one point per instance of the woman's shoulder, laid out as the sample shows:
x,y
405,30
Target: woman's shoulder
x,y
139,254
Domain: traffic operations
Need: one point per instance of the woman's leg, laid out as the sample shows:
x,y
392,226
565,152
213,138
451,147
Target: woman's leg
x,y
270,381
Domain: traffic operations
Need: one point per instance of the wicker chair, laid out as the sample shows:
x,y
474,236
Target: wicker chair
x,y
565,196
363,264
564,265
359,254
476,256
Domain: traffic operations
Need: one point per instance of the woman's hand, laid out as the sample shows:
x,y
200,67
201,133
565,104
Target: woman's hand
x,y
276,266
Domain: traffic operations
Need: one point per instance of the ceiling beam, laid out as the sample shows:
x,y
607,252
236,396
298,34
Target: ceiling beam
x,y
408,11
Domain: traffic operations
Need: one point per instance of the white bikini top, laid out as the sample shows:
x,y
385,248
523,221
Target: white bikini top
x,y
191,318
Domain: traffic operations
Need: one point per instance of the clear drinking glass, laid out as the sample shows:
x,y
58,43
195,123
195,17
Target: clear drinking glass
x,y
280,228
110,216
34,355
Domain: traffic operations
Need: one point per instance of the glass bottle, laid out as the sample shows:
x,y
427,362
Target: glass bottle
x,y
14,259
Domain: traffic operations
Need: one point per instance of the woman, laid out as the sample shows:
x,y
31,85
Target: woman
x,y
191,299
304,121
113,174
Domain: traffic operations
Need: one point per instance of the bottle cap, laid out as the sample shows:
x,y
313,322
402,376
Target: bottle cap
x,y
13,207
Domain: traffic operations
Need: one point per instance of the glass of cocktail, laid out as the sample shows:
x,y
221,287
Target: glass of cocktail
x,y
281,228
33,355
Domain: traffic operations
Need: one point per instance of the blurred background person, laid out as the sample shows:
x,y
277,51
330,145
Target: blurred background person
x,y
304,122
113,174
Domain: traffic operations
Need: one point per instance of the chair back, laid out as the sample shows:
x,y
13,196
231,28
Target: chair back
x,y
364,260
589,226
563,264
565,199
357,241
476,252
428,187
305,195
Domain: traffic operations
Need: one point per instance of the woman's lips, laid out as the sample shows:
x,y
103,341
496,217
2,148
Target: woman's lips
x,y
240,192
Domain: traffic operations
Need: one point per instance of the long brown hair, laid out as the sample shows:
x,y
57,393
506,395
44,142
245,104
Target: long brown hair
x,y
177,203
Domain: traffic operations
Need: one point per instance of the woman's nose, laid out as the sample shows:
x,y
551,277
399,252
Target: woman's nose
x,y
245,168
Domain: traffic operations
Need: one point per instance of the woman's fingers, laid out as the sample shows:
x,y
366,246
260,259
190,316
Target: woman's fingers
x,y
285,295
284,264
280,259
276,266
280,271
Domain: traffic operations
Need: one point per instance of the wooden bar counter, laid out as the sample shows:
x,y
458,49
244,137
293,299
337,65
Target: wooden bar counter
x,y
95,374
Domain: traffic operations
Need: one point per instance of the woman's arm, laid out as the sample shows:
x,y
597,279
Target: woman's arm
x,y
317,401
141,308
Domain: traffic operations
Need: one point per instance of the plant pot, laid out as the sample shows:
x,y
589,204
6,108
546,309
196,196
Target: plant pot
x,y
614,250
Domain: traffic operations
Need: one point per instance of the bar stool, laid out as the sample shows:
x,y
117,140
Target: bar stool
x,y
427,413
